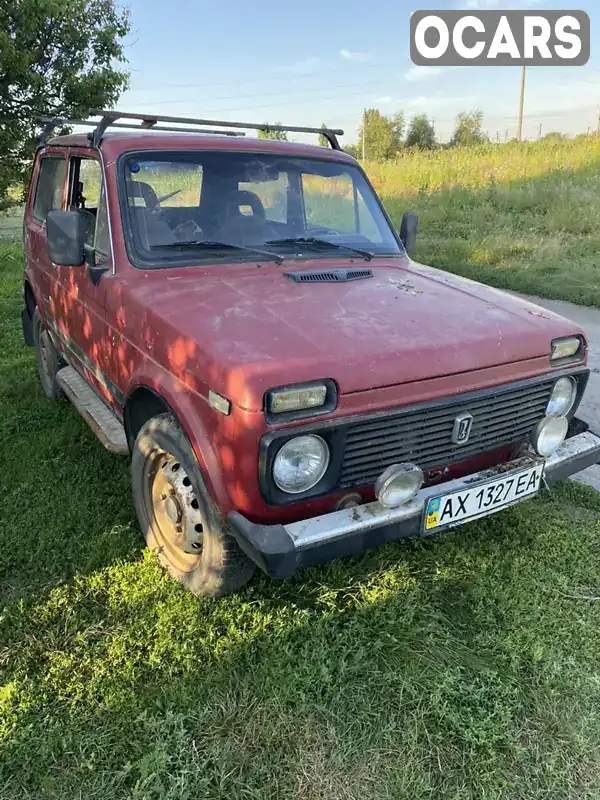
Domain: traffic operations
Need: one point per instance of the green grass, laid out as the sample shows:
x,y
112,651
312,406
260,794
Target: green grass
x,y
457,667
521,217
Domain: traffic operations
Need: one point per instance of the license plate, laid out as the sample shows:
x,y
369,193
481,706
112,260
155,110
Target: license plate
x,y
482,498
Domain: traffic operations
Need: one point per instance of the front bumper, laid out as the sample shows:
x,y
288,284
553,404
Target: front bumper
x,y
280,550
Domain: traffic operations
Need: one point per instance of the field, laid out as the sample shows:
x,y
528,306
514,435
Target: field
x,y
461,667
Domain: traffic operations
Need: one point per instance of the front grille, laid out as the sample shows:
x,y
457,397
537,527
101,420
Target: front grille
x,y
423,436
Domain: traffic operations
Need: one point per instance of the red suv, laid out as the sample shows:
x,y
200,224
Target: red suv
x,y
240,317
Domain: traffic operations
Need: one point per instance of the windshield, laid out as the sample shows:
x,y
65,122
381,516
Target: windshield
x,y
206,206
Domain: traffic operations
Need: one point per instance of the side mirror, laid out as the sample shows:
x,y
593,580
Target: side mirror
x,y
408,230
66,238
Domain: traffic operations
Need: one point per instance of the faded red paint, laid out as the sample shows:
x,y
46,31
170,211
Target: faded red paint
x,y
408,335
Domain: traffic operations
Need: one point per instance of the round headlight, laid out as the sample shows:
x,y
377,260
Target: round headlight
x,y
398,484
563,397
549,434
300,464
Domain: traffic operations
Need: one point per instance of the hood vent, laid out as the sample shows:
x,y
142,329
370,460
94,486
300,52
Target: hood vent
x,y
330,276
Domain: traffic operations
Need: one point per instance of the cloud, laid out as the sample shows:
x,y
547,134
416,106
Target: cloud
x,y
352,56
305,67
385,100
416,74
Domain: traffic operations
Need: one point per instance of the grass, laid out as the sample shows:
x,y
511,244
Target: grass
x,y
521,217
461,667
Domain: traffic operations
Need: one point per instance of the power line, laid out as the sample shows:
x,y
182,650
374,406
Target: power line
x,y
264,94
323,74
521,104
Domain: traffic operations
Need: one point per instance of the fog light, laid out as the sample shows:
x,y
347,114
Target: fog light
x,y
549,434
398,484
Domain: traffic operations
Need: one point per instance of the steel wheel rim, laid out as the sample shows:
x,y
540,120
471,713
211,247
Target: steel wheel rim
x,y
178,525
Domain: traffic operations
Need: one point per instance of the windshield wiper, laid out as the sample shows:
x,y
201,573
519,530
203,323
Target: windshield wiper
x,y
212,245
323,242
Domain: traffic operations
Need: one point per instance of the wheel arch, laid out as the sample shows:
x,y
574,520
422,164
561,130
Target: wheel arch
x,y
144,402
141,404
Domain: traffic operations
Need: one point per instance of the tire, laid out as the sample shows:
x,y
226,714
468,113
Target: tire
x,y
172,503
46,358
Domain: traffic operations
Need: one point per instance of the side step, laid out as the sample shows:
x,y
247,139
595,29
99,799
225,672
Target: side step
x,y
98,416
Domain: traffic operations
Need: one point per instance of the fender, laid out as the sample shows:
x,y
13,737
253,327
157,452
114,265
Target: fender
x,y
207,430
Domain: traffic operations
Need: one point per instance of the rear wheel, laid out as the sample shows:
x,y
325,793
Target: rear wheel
x,y
178,516
46,357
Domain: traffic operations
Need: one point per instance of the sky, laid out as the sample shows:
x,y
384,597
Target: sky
x,y
306,62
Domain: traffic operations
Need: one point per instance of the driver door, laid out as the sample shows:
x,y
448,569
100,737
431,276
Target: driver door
x,y
77,302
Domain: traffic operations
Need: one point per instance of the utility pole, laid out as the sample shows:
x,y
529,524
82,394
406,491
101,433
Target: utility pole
x,y
521,105
598,126
541,129
364,136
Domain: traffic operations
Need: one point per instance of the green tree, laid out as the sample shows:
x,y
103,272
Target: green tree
x,y
57,58
469,129
421,133
323,140
353,150
399,126
280,136
382,135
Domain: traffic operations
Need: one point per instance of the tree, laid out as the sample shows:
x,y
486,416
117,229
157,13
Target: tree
x,y
399,125
280,136
323,140
468,130
382,135
57,58
421,133
353,150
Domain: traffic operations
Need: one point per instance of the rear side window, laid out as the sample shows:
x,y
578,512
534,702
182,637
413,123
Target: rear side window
x,y
49,189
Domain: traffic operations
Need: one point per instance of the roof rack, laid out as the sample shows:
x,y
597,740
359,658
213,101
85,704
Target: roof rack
x,y
50,123
149,122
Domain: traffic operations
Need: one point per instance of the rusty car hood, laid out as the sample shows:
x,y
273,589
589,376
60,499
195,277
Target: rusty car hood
x,y
246,329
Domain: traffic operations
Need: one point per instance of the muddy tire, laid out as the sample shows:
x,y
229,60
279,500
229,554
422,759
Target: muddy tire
x,y
178,516
46,358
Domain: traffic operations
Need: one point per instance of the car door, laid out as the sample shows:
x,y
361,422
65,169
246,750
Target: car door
x,y
47,194
78,298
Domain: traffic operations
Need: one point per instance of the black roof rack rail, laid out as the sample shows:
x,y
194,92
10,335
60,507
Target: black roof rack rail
x,y
149,122
50,123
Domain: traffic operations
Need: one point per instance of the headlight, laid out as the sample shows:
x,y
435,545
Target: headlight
x,y
563,397
549,434
568,349
300,464
398,484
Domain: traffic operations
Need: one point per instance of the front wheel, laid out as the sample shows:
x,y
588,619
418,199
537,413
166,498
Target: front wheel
x,y
178,516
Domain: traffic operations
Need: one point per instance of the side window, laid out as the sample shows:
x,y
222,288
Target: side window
x,y
272,194
86,195
48,193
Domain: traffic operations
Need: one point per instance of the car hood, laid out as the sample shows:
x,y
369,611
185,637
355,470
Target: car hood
x,y
246,329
